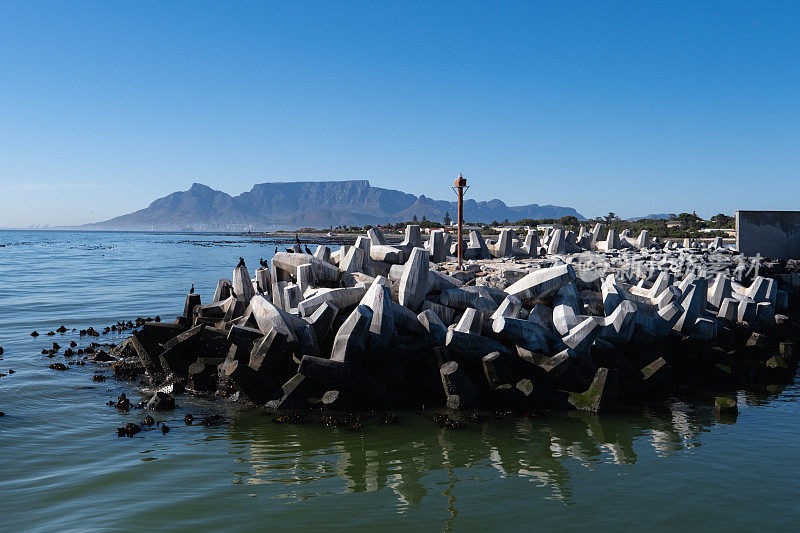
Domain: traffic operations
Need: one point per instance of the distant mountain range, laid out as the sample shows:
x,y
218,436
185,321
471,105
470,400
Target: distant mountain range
x,y
656,216
308,204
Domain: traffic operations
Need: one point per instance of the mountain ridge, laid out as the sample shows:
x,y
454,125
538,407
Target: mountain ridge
x,y
292,205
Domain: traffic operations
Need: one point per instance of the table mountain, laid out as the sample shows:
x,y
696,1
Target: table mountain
x,y
319,204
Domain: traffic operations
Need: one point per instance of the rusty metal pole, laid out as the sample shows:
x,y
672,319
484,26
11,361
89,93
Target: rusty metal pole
x,y
459,188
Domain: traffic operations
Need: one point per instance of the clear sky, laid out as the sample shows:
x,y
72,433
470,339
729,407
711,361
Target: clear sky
x,y
636,107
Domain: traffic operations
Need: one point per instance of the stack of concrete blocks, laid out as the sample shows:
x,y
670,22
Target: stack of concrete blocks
x,y
350,325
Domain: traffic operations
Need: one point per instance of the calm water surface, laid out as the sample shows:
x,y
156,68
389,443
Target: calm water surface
x,y
62,467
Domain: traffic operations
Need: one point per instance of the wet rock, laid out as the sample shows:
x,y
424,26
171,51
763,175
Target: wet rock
x,y
290,418
497,372
340,376
129,430
445,421
123,403
725,406
789,352
656,373
181,351
148,351
269,354
757,340
101,357
335,400
460,391
212,420
123,350
202,376
127,370
161,401
34,334
601,395
148,421
188,419
59,366
254,385
388,418
296,392
778,370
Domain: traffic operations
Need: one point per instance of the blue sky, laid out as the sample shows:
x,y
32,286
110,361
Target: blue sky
x,y
631,107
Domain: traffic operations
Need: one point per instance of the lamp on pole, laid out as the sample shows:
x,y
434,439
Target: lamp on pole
x,y
459,188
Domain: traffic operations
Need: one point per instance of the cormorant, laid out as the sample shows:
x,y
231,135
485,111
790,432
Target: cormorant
x,y
308,251
241,262
263,263
276,249
297,238
191,291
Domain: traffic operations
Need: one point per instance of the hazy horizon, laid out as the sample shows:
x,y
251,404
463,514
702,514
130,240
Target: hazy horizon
x,y
624,107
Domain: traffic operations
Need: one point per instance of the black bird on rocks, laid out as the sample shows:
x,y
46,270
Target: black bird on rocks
x,y
276,249
263,263
241,262
308,251
191,291
297,238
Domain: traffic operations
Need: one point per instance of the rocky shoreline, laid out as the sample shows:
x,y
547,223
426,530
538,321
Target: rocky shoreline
x,y
556,321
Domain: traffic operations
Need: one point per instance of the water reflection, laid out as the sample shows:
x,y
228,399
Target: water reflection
x,y
416,457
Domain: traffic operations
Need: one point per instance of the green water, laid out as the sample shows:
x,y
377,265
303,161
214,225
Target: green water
x,y
62,467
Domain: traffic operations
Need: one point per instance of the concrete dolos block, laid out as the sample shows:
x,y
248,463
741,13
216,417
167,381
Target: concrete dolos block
x,y
541,283
382,330
414,281
350,343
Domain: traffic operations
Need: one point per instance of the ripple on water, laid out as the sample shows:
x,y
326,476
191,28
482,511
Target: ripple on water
x,y
660,466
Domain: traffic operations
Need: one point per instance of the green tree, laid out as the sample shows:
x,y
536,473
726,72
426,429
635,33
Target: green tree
x,y
424,219
415,219
447,219
722,220
611,216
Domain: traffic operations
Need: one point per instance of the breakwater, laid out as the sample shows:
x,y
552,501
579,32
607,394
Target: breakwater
x,y
554,320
